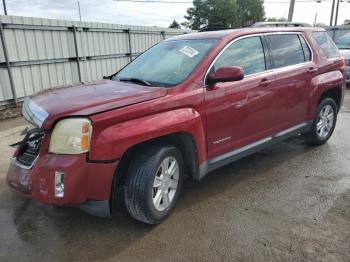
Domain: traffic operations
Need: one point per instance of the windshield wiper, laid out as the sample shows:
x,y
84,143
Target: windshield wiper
x,y
136,80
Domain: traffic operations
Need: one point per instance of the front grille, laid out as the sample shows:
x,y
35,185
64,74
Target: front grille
x,y
29,149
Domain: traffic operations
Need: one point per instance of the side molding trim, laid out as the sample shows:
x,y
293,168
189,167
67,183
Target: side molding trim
x,y
249,149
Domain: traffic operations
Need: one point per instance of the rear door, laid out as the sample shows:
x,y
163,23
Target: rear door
x,y
293,72
241,112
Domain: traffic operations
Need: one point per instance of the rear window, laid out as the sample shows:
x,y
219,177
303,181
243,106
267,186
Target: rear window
x,y
287,50
326,44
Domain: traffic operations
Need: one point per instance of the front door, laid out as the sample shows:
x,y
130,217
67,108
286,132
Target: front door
x,y
240,113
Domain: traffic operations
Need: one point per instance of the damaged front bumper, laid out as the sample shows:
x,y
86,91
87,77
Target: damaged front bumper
x,y
87,185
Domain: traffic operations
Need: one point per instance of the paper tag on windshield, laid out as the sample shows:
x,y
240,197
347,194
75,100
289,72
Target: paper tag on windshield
x,y
189,51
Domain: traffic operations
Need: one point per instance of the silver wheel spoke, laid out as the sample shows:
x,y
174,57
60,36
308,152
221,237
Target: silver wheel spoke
x,y
330,117
325,111
166,200
173,184
319,125
172,169
157,181
157,198
165,166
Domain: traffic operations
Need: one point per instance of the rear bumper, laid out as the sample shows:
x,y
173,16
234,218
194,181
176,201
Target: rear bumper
x,y
86,184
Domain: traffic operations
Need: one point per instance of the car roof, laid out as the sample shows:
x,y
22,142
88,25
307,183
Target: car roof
x,y
231,33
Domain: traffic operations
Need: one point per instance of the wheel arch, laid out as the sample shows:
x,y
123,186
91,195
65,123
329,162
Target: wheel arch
x,y
335,93
184,141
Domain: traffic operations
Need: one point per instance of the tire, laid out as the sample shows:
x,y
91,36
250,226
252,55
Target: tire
x,y
316,136
141,191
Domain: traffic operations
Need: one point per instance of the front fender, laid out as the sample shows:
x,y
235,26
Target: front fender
x,y
113,141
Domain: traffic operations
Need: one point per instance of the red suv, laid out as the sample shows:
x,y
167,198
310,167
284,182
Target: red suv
x,y
185,107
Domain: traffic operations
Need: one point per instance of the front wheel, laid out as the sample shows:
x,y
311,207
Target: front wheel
x,y
323,126
153,183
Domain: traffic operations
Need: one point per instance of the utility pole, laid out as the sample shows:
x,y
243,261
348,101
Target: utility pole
x,y
4,5
291,10
332,13
315,22
79,11
336,13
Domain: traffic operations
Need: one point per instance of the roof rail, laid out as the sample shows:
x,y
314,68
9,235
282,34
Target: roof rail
x,y
280,24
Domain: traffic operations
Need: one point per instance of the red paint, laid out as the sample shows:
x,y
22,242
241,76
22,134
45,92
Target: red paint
x,y
124,115
225,74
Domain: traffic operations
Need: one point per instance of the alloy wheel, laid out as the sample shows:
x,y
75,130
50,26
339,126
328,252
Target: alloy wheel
x,y
325,121
165,183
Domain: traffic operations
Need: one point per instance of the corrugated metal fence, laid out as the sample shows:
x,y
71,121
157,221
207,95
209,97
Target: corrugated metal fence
x,y
41,53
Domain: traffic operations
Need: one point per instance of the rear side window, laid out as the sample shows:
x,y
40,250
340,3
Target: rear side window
x,y
286,50
247,53
326,44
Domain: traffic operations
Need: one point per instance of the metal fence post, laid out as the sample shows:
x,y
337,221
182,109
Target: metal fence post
x,y
129,42
7,61
77,52
163,34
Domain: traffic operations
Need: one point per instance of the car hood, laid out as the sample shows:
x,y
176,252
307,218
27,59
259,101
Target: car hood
x,y
345,53
85,99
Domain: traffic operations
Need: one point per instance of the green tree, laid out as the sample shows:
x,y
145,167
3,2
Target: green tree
x,y
213,14
224,13
175,24
250,11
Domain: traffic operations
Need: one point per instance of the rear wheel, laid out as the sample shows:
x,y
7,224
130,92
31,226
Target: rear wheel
x,y
153,183
325,120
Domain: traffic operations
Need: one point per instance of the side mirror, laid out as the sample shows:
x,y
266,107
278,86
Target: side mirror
x,y
226,74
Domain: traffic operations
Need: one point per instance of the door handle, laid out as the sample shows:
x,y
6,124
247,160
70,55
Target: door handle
x,y
313,70
265,82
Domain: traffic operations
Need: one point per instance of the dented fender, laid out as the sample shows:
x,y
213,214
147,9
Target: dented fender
x,y
113,141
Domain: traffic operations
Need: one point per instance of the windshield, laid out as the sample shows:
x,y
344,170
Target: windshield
x,y
166,64
343,42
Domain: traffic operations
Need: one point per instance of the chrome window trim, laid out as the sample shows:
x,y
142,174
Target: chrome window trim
x,y
266,71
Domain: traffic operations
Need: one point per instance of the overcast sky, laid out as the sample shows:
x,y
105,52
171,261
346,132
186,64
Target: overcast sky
x,y
158,14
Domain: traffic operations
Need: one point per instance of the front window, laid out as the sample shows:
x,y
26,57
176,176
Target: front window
x,y
247,53
343,42
166,64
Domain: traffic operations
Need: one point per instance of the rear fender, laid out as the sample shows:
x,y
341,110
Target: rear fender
x,y
112,142
321,83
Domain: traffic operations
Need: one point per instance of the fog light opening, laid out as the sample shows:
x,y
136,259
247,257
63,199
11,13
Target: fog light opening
x,y
59,184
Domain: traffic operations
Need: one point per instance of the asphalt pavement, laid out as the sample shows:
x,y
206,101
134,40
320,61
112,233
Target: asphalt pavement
x,y
290,202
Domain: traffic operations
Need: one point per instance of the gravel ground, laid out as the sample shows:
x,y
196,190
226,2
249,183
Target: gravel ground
x,y
287,203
